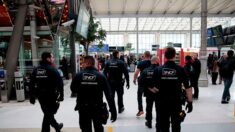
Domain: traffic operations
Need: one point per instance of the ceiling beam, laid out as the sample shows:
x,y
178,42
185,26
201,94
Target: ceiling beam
x,y
109,11
212,5
154,6
224,6
169,5
133,15
139,6
124,6
184,5
232,12
197,5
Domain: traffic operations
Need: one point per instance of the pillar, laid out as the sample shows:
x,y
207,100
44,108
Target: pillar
x,y
203,80
137,37
33,36
14,45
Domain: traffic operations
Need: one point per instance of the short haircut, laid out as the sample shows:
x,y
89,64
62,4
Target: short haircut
x,y
230,53
188,58
170,52
89,60
147,54
115,53
45,55
154,59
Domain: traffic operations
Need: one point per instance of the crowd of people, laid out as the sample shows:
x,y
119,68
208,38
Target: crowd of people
x,y
167,87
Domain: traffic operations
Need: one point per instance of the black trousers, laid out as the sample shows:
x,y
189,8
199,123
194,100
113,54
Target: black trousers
x,y
169,113
49,108
118,87
195,86
150,99
140,93
214,77
87,116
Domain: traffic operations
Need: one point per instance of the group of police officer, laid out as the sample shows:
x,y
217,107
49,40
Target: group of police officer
x,y
160,84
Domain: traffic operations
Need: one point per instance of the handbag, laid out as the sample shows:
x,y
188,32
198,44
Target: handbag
x,y
104,113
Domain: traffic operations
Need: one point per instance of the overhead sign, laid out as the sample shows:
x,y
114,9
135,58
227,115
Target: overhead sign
x,y
95,48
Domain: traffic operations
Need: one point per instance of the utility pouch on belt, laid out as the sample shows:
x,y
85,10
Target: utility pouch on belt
x,y
105,113
182,115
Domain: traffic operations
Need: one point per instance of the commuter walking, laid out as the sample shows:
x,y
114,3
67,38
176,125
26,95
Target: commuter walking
x,y
169,79
114,70
140,67
151,96
47,85
197,71
189,69
215,70
89,86
227,71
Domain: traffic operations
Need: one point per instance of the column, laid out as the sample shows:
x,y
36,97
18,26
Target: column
x,y
33,36
137,37
14,45
190,31
203,80
56,43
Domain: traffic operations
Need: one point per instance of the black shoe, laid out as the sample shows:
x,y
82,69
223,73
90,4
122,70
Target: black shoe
x,y
60,126
121,110
214,84
148,124
224,102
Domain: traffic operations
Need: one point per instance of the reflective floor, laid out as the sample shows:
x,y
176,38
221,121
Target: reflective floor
x,y
209,115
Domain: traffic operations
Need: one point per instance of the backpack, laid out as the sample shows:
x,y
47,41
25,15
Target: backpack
x,y
225,69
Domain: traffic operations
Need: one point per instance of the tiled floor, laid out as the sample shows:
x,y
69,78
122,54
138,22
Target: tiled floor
x,y
209,115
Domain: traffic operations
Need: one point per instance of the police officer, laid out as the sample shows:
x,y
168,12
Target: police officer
x,y
151,97
168,79
47,85
114,69
140,67
89,86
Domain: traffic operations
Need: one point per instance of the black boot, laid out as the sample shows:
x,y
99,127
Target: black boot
x,y
148,124
60,126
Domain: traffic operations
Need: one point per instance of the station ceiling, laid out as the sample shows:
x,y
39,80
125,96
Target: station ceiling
x,y
160,15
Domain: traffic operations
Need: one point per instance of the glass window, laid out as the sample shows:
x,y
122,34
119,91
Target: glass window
x,y
196,40
174,38
114,40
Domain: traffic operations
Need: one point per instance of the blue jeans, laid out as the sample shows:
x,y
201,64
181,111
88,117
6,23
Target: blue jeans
x,y
227,84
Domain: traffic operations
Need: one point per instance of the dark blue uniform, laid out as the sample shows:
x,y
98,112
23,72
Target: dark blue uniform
x,y
141,65
89,86
147,76
47,85
197,70
168,79
114,70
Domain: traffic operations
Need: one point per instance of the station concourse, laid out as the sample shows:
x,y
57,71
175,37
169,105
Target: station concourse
x,y
30,27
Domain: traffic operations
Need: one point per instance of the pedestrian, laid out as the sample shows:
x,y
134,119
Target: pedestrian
x,y
227,71
89,85
140,68
215,70
114,70
197,71
47,86
168,79
151,97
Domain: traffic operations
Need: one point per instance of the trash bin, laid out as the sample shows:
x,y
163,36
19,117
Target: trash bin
x,y
19,86
3,88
